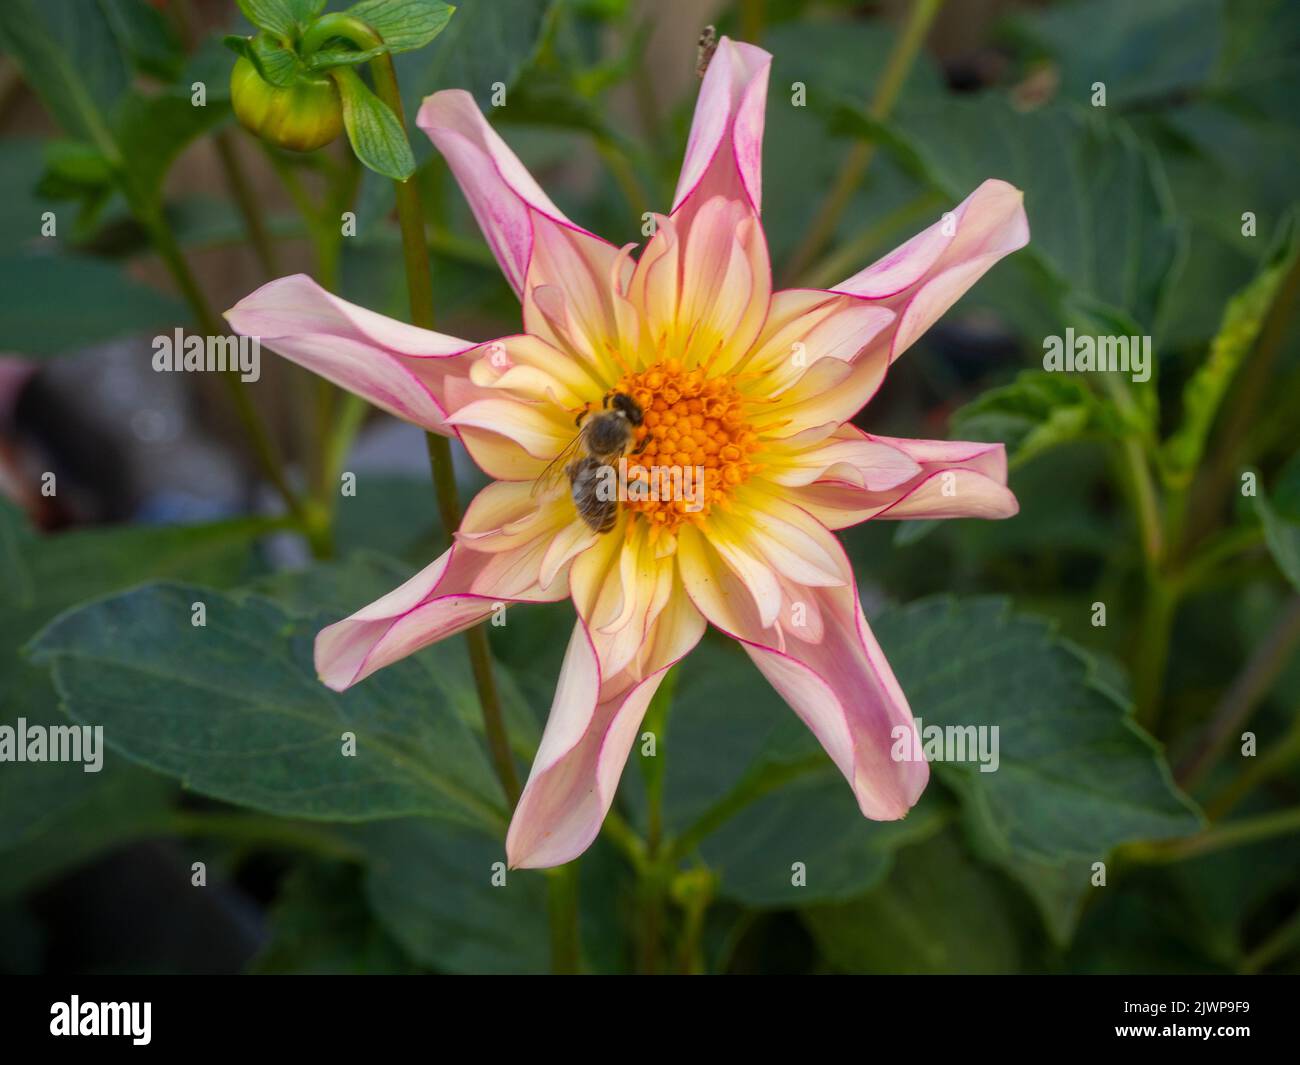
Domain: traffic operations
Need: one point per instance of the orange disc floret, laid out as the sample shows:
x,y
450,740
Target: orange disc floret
x,y
691,423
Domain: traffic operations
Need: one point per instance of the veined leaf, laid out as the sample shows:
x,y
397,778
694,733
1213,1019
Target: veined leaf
x,y
375,132
234,709
404,25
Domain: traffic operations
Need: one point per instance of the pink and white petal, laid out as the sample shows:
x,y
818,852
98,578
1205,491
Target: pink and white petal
x,y
449,595
724,149
726,286
824,661
416,374
508,204
915,284
925,276
844,690
511,440
569,295
822,354
593,723
528,368
656,283
989,459
508,514
957,479
847,455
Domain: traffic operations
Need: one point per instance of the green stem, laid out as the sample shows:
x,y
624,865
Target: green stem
x,y
1211,557
249,209
901,58
1271,657
1160,594
562,901
260,830
622,835
1283,754
656,720
625,175
1240,417
419,288
746,792
1220,837
1151,654
848,257
1278,945
258,437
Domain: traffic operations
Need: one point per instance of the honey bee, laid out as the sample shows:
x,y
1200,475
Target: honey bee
x,y
602,439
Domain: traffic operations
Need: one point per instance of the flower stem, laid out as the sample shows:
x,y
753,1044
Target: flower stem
x,y
841,262
562,902
246,202
261,831
1278,945
901,58
258,437
419,288
1281,756
1220,837
1271,657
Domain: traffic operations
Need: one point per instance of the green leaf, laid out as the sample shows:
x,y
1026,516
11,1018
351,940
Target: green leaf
x,y
488,42
834,60
812,827
74,84
53,304
1108,41
1103,224
162,688
432,887
1035,413
22,203
1075,776
336,589
341,57
280,17
17,586
56,815
151,131
57,577
276,63
749,784
69,827
404,25
321,924
145,37
938,912
1243,319
375,132
1282,529
72,168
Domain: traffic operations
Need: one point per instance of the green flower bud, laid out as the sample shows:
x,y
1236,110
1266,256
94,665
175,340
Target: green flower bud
x,y
302,117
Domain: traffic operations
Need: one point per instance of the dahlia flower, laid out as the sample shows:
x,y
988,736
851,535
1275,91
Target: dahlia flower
x,y
756,387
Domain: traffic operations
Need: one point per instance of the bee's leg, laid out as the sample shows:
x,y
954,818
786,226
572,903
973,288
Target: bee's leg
x,y
645,441
582,416
605,402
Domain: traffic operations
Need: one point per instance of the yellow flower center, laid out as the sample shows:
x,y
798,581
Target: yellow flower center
x,y
694,426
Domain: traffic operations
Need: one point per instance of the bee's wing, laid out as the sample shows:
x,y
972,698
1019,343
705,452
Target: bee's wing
x,y
550,476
